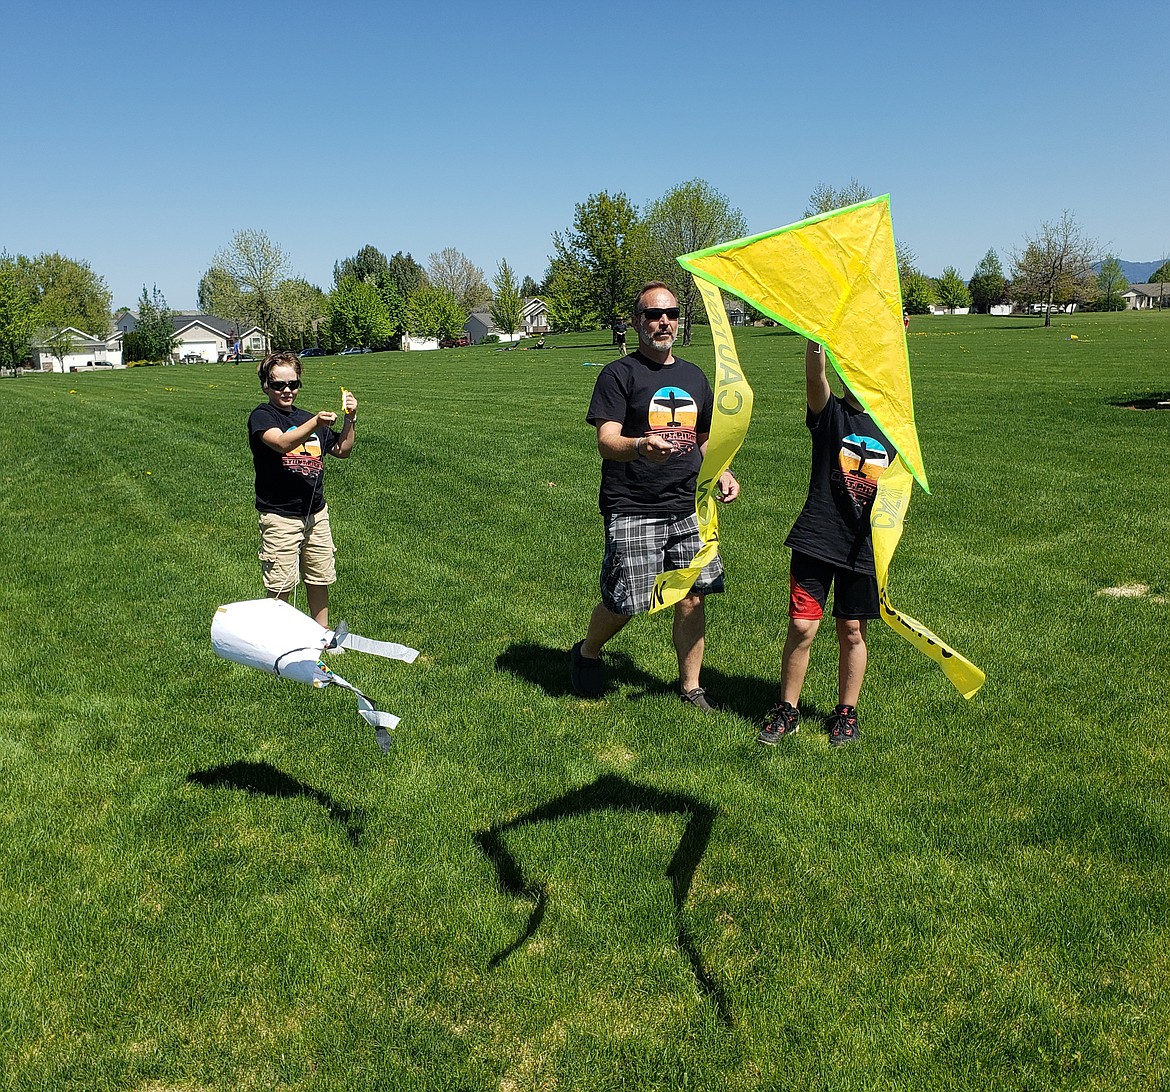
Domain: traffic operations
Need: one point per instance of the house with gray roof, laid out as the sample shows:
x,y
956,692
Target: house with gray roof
x,y
203,337
1144,297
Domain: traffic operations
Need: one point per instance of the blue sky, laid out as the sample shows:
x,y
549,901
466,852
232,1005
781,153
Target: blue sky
x,y
139,137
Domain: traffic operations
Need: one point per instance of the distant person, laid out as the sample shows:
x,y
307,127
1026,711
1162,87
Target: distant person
x,y
619,334
832,547
288,449
905,320
652,411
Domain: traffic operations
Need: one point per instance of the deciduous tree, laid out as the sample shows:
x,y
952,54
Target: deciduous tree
x,y
301,308
1054,265
691,216
505,307
219,294
450,269
67,293
257,265
357,315
950,291
568,296
1111,285
917,292
595,268
825,198
1161,278
17,314
434,311
987,286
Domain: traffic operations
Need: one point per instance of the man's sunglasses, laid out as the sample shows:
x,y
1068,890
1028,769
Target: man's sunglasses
x,y
655,313
284,384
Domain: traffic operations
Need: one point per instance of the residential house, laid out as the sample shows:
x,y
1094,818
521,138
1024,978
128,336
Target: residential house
x,y
1143,297
534,317
480,324
206,338
78,350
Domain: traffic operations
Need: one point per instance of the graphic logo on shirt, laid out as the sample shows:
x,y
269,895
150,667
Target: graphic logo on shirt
x,y
862,460
305,460
673,415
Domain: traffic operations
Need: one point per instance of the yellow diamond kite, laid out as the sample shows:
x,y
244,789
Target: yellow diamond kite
x,y
834,279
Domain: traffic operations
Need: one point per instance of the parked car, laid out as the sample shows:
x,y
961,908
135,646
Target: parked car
x,y
455,342
312,352
353,351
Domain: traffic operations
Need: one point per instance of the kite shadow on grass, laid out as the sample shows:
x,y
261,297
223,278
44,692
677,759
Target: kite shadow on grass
x,y
612,793
548,668
262,779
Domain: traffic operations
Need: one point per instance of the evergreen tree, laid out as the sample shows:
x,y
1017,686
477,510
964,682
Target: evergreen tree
x,y
156,331
505,308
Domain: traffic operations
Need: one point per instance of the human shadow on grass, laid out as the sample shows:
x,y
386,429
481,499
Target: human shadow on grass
x,y
745,695
612,793
263,779
1146,402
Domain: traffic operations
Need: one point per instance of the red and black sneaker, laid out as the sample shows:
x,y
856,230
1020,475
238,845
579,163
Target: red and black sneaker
x,y
781,720
843,726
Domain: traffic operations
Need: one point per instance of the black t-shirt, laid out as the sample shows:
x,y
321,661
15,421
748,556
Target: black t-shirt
x,y
849,454
292,484
672,400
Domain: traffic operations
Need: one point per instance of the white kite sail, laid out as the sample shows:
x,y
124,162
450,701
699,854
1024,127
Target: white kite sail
x,y
272,636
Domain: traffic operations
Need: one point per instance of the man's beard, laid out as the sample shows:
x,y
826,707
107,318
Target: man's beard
x,y
661,346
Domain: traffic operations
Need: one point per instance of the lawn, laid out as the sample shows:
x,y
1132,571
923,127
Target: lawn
x,y
210,879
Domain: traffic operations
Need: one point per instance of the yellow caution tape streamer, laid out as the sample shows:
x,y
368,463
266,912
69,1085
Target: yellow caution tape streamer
x,y
886,521
730,417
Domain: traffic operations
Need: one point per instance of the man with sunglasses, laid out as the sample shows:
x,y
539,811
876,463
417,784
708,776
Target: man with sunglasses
x,y
652,411
288,452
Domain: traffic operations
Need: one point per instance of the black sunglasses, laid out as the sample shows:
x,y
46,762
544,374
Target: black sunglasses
x,y
284,384
655,313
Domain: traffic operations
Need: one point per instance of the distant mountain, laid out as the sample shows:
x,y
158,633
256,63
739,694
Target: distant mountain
x,y
1134,272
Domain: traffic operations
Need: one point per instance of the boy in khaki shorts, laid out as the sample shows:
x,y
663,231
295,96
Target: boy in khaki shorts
x,y
288,452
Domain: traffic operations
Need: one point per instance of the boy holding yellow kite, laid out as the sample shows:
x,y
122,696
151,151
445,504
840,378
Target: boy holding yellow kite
x,y
832,546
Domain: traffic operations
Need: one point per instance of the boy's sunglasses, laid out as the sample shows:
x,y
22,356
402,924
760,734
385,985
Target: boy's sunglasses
x,y
655,313
283,384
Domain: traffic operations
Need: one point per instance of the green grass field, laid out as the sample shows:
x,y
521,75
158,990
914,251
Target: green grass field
x,y
210,879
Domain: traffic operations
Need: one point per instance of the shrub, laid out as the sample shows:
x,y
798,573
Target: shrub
x,y
490,339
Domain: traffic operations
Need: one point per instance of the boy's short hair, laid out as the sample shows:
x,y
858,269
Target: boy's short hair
x,y
648,287
288,359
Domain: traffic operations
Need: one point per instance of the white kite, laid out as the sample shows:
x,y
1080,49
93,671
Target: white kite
x,y
272,636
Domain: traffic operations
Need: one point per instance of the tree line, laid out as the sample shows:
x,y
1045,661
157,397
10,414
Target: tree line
x,y
597,262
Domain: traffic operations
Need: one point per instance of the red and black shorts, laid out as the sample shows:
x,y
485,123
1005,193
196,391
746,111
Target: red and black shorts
x,y
855,595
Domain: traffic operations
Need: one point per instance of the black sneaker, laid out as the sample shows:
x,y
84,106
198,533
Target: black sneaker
x,y
843,726
780,721
586,674
698,698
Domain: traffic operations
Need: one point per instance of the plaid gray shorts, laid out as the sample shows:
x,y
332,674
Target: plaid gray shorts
x,y
638,548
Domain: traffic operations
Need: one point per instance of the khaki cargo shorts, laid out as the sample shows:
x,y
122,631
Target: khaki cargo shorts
x,y
289,547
